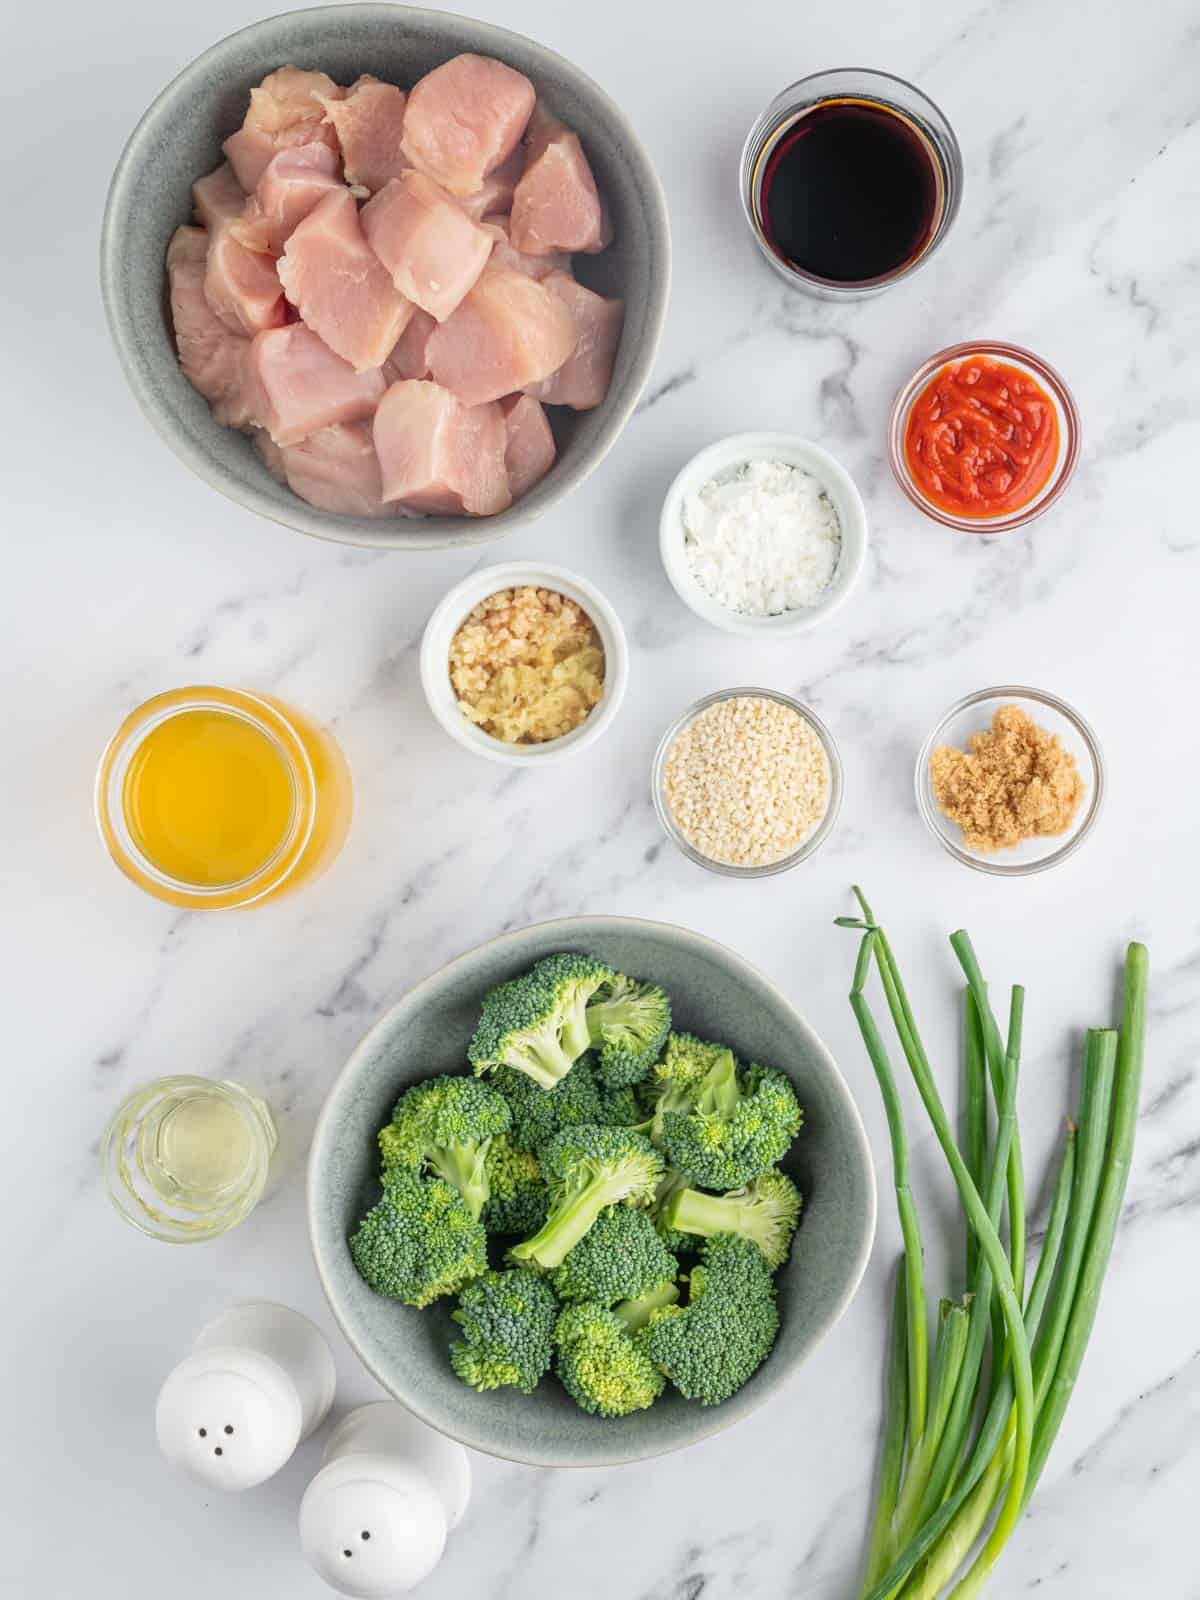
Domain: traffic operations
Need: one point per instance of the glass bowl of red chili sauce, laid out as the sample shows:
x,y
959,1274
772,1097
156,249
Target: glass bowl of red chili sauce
x,y
984,437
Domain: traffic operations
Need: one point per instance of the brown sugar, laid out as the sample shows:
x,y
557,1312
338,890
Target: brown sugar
x,y
1014,781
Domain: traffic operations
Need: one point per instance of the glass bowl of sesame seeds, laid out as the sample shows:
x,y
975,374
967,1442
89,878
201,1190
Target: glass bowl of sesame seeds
x,y
747,782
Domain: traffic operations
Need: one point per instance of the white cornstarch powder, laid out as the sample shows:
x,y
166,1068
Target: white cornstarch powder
x,y
762,539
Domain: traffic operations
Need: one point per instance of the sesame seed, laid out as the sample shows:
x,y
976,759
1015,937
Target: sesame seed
x,y
747,781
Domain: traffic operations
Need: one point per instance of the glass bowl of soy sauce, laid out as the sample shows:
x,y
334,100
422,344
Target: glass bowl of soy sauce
x,y
850,180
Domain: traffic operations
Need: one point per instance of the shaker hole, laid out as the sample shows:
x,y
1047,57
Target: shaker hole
x,y
218,1451
203,1432
347,1554
229,1427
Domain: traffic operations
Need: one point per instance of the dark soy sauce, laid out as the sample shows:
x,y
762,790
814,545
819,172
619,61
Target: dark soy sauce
x,y
849,193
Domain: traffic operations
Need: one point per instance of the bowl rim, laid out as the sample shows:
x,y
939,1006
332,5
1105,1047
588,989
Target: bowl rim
x,y
1069,443
809,846
709,1421
927,806
389,533
454,606
763,445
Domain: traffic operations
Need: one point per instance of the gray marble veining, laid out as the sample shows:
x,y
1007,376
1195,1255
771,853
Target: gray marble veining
x,y
1079,237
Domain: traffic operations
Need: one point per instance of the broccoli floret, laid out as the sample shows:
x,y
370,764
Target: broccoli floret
x,y
676,1079
538,1023
710,1347
620,1257
419,1242
686,1060
627,1023
681,1245
518,1198
601,1361
765,1211
737,1125
587,1169
508,1321
538,1114
620,1108
446,1125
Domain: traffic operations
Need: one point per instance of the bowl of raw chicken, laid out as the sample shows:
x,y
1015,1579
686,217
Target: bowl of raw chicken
x,y
385,275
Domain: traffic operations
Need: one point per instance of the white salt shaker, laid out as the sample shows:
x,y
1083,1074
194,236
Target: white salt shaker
x,y
374,1520
259,1379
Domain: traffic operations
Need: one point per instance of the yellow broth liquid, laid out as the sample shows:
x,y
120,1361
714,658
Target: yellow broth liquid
x,y
208,797
223,804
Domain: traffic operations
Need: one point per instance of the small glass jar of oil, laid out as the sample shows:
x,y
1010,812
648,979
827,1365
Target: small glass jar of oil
x,y
186,1159
211,798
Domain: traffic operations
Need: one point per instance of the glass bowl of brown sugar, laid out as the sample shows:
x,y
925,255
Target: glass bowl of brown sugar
x,y
1010,781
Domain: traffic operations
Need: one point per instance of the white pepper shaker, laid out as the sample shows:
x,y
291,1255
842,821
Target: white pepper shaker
x,y
374,1520
259,1379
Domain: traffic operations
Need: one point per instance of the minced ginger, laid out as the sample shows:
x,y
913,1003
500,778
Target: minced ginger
x,y
1014,781
527,665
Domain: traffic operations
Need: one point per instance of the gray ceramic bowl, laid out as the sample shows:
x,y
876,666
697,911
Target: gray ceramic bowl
x,y
714,993
179,138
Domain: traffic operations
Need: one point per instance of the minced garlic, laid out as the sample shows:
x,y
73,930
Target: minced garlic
x,y
747,781
527,665
1013,782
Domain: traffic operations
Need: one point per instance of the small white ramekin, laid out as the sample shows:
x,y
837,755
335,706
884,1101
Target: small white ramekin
x,y
453,610
797,452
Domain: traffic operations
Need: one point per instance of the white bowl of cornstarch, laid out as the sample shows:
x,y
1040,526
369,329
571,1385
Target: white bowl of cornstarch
x,y
763,534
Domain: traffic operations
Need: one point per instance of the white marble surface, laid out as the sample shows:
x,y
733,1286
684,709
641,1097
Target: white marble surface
x,y
1079,236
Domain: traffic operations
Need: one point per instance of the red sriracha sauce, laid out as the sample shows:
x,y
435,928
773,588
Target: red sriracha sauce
x,y
981,438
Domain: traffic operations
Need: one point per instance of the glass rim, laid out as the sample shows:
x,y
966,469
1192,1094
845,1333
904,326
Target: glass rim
x,y
928,809
808,846
934,127
108,795
1069,442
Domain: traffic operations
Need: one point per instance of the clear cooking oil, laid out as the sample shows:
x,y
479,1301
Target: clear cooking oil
x,y
188,1158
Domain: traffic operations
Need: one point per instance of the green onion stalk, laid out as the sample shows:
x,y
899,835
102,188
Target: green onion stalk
x,y
960,943
910,1228
973,1506
991,1248
955,1438
939,1505
891,1456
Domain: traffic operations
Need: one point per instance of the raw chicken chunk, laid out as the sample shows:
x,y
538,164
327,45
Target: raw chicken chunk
x,y
508,333
464,119
287,108
298,385
396,359
433,251
294,181
242,285
341,289
556,205
217,197
503,254
337,470
495,196
529,450
270,454
213,360
582,381
369,124
410,358
438,455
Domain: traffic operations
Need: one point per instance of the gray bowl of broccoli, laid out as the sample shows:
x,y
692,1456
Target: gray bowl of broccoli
x,y
553,1194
